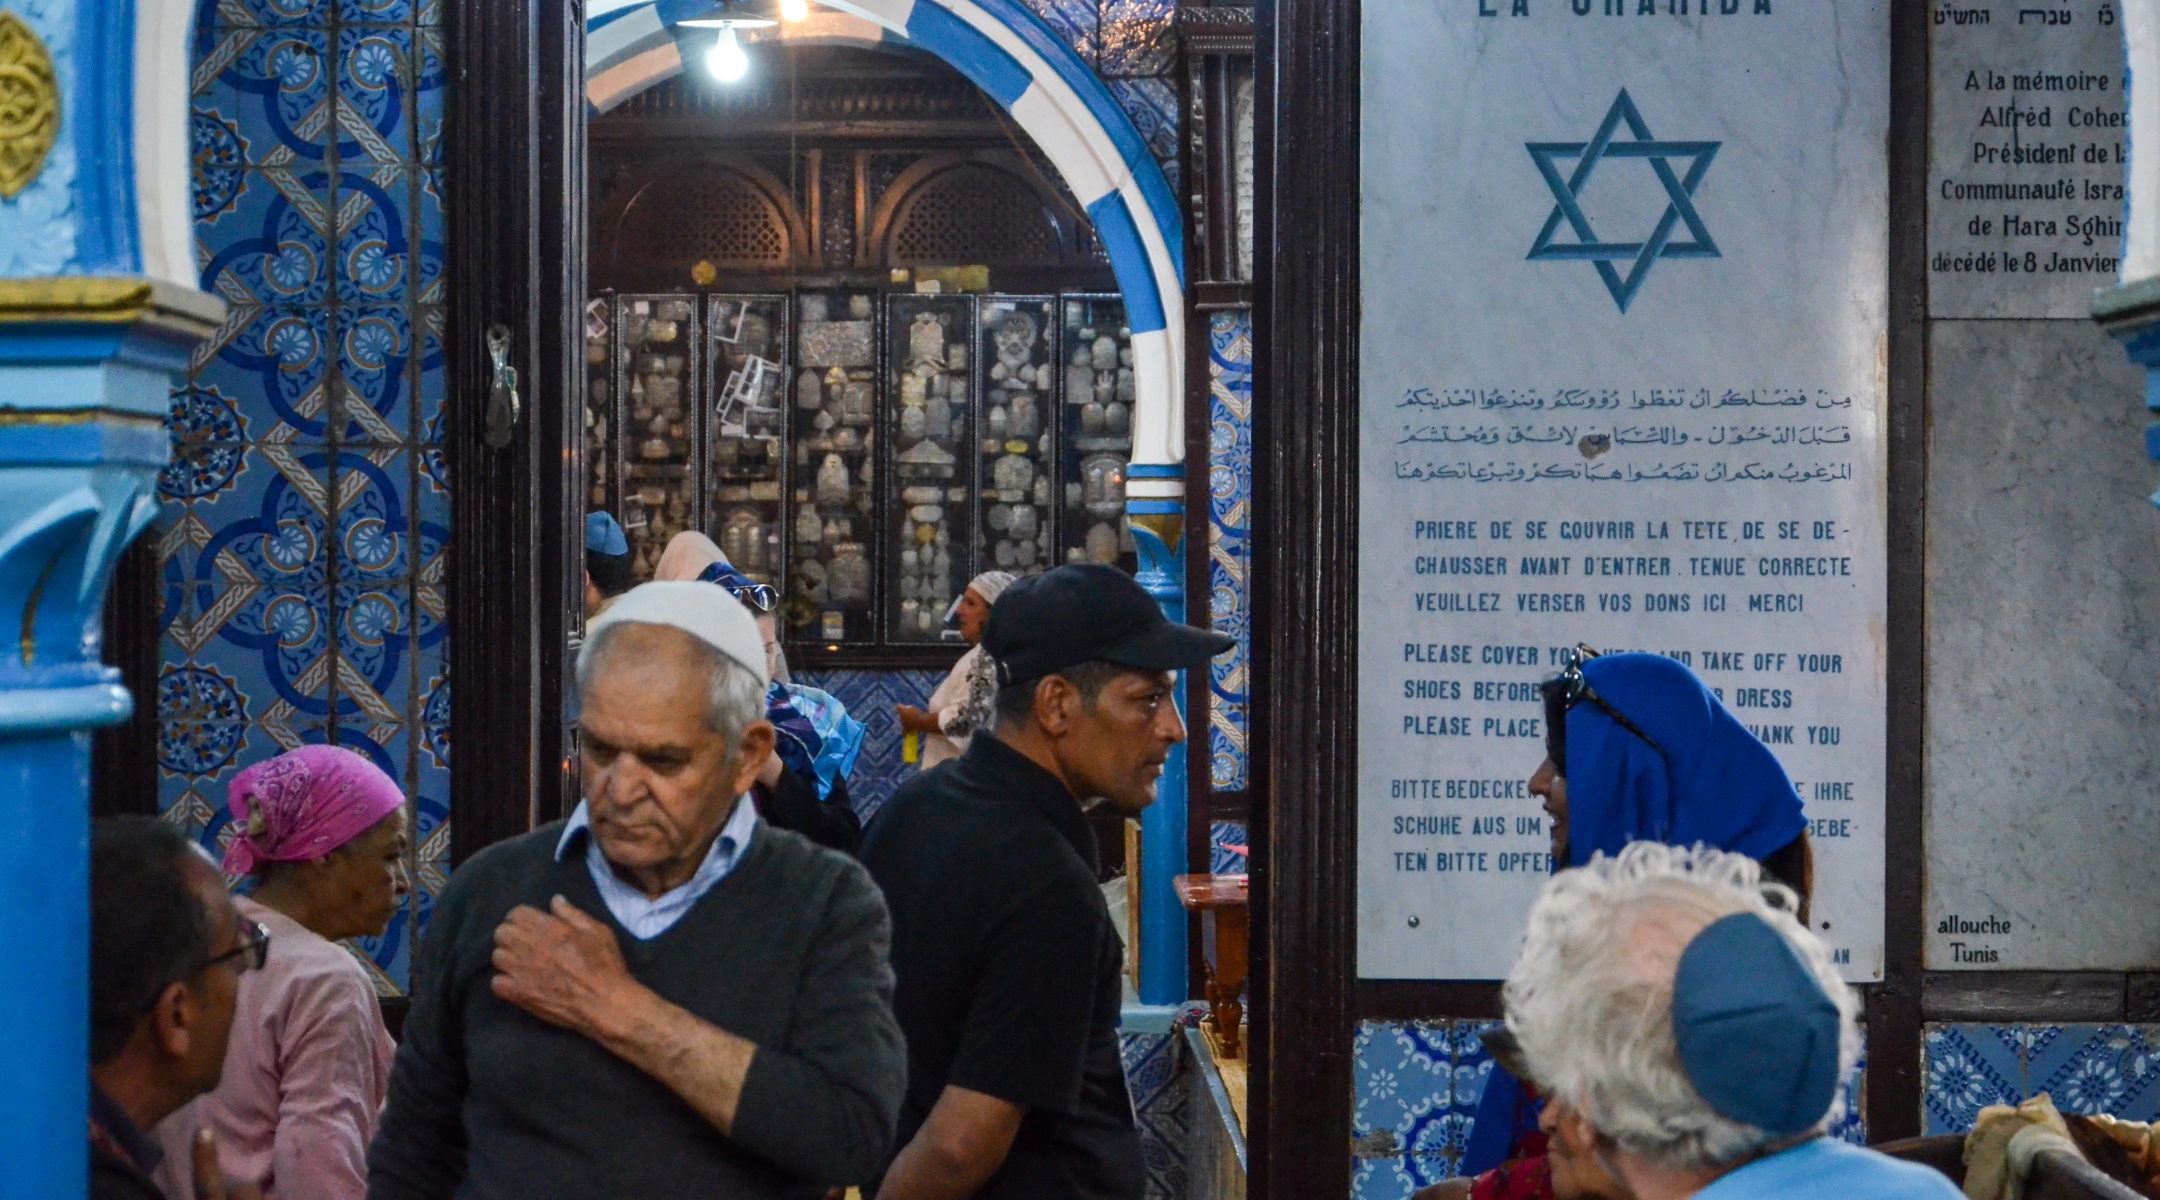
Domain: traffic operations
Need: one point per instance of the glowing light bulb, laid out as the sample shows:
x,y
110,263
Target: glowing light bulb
x,y
726,61
794,10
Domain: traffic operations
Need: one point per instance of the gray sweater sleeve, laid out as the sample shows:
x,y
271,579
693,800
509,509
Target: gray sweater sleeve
x,y
419,1148
826,1104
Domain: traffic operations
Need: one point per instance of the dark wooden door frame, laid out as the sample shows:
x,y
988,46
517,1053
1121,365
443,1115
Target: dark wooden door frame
x,y
514,144
1303,732
1308,998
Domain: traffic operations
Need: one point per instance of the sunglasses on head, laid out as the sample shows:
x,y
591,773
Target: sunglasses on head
x,y
1571,688
757,597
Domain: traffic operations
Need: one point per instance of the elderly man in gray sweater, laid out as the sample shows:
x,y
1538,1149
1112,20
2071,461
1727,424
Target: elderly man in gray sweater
x,y
660,997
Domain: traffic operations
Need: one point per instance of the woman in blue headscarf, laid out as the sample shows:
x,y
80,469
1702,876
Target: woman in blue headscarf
x,y
1637,749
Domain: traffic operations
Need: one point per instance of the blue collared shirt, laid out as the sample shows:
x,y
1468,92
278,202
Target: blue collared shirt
x,y
647,917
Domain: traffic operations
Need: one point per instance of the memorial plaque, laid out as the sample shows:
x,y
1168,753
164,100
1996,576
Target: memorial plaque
x,y
1623,383
2028,138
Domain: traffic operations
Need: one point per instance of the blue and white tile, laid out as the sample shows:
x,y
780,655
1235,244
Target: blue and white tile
x,y
281,79
1966,1068
272,248
870,697
374,260
1229,851
1136,37
272,13
376,12
274,365
1152,104
1155,1075
375,75
1075,22
209,444
374,346
220,154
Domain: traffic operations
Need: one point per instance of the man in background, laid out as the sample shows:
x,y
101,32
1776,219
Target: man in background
x,y
607,562
1006,957
167,949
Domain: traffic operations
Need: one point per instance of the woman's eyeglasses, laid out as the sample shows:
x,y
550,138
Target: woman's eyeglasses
x,y
1574,689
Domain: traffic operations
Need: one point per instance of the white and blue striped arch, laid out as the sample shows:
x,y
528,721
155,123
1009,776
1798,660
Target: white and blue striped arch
x,y
1009,53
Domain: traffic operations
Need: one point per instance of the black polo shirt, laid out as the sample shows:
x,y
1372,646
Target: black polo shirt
x,y
1007,968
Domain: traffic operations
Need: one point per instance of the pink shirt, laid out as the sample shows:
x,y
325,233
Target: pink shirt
x,y
305,1075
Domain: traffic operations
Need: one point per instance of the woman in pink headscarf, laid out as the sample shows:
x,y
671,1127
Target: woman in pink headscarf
x,y
322,831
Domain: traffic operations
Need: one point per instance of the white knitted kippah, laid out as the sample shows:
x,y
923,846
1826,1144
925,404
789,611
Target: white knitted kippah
x,y
702,610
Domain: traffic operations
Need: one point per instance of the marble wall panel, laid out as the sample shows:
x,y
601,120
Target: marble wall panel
x,y
2043,640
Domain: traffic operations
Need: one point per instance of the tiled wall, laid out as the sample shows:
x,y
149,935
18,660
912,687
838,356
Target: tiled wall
x,y
307,513
1415,1094
1155,1073
1131,45
2083,1068
870,697
1229,537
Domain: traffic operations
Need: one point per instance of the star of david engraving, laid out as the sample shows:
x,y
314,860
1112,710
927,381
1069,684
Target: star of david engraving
x,y
1679,193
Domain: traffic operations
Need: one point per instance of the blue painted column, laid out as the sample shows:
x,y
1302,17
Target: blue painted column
x,y
85,367
2132,313
98,314
1155,505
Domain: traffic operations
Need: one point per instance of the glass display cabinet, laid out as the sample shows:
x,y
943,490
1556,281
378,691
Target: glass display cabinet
x,y
830,584
747,355
864,453
1098,403
929,430
1016,520
656,351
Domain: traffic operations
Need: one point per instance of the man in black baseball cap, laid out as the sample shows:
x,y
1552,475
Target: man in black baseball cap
x,y
1005,955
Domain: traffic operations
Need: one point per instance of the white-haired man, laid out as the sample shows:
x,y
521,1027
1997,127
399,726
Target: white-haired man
x,y
660,997
1691,1037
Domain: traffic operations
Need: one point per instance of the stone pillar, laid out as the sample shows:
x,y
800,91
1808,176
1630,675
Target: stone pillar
x,y
97,318
1155,504
2131,310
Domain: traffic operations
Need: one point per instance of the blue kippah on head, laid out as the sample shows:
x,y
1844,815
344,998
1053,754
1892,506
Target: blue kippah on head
x,y
726,576
1758,1036
604,536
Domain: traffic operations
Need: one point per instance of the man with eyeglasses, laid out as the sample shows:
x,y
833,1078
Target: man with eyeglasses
x,y
167,949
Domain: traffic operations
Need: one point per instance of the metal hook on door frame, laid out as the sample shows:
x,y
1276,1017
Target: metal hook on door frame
x,y
503,403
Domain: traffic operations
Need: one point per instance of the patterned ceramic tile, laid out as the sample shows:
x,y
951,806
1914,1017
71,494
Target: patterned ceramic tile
x,y
1229,534
870,697
307,514
1155,1073
2084,1068
1153,106
1136,37
1416,1088
1228,850
1076,22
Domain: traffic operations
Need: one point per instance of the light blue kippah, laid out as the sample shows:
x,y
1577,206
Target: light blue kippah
x,y
1758,1036
604,536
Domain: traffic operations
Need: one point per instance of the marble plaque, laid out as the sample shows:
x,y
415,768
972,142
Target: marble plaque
x,y
838,344
1623,328
2027,141
2042,652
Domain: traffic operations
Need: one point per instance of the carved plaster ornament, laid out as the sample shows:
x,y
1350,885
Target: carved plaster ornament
x,y
926,340
855,402
832,481
1105,387
1015,338
1103,355
1102,543
1079,383
809,392
848,578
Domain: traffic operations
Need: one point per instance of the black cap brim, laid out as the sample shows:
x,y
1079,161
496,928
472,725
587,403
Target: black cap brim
x,y
1168,647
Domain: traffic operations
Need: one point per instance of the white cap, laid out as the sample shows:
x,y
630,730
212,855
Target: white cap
x,y
704,611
